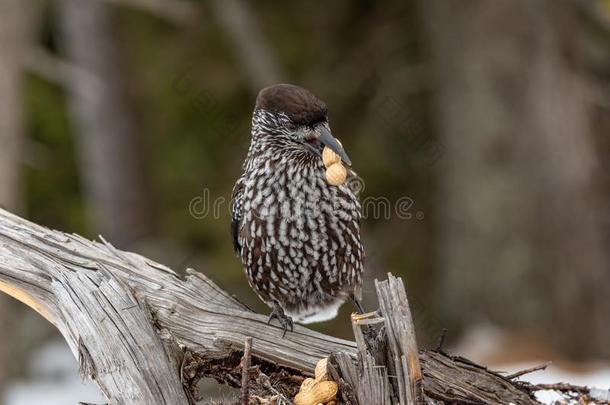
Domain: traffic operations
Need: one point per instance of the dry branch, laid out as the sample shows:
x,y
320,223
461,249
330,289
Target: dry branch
x,y
176,11
245,372
256,55
145,335
119,312
528,370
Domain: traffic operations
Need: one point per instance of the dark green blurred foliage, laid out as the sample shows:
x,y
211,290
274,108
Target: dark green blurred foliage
x,y
54,196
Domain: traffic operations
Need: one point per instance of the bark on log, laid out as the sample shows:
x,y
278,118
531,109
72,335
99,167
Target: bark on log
x,y
145,335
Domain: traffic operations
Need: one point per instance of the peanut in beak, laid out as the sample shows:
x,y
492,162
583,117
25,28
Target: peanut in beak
x,y
335,171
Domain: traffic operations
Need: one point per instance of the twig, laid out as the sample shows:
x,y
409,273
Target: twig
x,y
441,340
245,371
264,381
58,70
561,387
528,370
176,11
256,54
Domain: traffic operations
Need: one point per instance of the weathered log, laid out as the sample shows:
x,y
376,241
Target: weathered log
x,y
389,370
145,335
386,347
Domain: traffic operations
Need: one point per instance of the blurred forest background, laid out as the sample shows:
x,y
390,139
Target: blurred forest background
x,y
484,124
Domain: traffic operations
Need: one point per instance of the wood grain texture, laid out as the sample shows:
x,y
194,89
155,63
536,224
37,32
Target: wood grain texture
x,y
400,330
390,370
145,335
116,309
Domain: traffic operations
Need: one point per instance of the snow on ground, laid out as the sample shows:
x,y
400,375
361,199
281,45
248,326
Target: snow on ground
x,y
598,378
499,351
53,380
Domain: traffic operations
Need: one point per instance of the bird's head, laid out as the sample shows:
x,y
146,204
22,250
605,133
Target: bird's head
x,y
291,119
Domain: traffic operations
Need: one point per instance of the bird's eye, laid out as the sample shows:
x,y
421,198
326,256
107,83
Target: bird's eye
x,y
313,141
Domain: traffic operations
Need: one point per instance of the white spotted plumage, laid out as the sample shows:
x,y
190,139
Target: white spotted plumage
x,y
297,236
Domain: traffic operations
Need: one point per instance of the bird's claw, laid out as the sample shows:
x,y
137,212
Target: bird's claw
x,y
358,305
278,313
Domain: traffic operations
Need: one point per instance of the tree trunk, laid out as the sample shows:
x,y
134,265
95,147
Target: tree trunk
x,y
521,223
254,52
111,148
15,41
18,23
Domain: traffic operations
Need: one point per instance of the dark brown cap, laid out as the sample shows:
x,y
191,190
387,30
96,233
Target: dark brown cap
x,y
299,104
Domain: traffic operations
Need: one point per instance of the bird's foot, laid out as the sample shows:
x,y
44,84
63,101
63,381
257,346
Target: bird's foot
x,y
370,334
358,305
285,321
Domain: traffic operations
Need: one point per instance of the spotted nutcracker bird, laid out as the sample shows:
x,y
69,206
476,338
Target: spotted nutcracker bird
x,y
298,237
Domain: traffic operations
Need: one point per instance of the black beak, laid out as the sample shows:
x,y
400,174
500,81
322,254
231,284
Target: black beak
x,y
329,140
